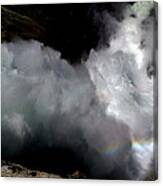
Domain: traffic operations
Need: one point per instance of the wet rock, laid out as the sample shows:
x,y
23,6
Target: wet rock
x,y
15,25
9,169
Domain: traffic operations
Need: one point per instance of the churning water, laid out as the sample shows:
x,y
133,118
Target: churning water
x,y
108,98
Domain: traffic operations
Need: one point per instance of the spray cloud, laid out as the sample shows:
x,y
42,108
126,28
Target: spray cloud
x,y
101,109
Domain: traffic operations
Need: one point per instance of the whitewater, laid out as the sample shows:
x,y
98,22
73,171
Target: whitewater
x,y
106,101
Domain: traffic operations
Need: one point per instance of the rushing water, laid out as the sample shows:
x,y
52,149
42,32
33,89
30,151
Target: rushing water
x,y
108,98
122,81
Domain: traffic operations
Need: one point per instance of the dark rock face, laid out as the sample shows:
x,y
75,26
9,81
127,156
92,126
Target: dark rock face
x,y
15,25
73,29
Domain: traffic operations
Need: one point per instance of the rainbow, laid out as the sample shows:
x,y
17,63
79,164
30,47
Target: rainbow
x,y
141,146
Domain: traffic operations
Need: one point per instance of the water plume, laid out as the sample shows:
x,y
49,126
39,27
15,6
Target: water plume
x,y
101,109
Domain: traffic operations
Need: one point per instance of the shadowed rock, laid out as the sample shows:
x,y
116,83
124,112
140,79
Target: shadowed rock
x,y
16,25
